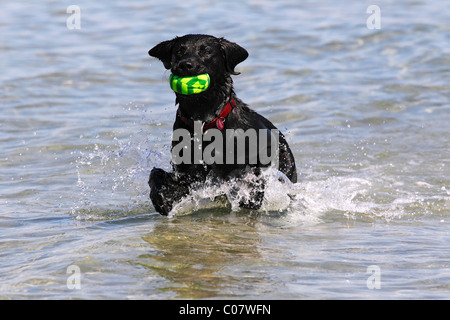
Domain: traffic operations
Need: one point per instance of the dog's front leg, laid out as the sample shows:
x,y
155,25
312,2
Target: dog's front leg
x,y
249,187
165,190
256,197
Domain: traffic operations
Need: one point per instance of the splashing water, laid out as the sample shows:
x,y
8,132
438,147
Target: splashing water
x,y
112,178
278,194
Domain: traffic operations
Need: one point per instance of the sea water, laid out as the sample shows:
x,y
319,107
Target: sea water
x,y
86,114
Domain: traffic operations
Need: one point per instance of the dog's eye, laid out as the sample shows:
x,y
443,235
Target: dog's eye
x,y
205,50
180,51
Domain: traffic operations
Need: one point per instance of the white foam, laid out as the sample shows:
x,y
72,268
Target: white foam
x,y
305,201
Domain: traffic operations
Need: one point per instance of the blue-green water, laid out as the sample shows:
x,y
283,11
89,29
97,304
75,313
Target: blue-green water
x,y
86,113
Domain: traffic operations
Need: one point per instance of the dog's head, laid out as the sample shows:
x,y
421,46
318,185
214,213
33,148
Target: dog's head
x,y
196,54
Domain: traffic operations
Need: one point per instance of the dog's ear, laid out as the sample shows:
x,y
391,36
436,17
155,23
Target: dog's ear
x,y
163,52
233,54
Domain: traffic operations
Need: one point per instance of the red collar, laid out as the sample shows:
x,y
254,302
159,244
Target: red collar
x,y
217,121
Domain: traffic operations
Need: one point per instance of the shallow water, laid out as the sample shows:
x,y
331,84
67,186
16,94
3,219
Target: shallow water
x,y
86,114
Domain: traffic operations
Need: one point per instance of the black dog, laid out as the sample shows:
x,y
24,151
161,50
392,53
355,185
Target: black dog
x,y
216,107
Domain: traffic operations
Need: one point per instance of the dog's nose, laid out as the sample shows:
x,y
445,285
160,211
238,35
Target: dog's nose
x,y
185,65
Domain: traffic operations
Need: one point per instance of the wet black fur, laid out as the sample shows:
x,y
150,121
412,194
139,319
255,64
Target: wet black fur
x,y
192,55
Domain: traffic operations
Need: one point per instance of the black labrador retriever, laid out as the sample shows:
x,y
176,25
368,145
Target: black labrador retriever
x,y
201,67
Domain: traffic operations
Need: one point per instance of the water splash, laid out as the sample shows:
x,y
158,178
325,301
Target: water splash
x,y
310,200
112,173
112,176
278,194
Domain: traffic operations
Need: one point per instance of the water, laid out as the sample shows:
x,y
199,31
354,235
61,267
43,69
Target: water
x,y
86,114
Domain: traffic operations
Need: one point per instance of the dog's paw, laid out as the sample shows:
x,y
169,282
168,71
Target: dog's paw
x,y
160,182
254,202
158,177
165,190
160,201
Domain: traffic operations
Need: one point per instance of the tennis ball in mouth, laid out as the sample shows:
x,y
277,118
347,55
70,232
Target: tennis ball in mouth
x,y
189,85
